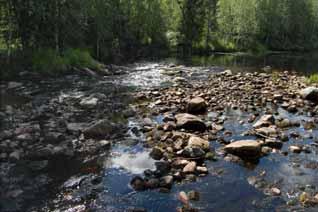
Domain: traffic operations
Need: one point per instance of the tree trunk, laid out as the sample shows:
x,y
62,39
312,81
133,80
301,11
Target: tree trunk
x,y
56,26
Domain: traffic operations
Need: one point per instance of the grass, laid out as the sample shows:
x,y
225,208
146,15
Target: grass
x,y
275,76
312,79
49,61
79,58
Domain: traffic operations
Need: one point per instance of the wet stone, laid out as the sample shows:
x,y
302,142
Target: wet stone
x,y
310,93
194,152
202,170
156,153
190,168
264,121
183,197
266,150
295,149
244,148
101,129
74,182
162,167
197,105
190,122
275,191
153,183
169,126
89,102
195,141
166,181
15,156
194,195
138,184
273,143
179,163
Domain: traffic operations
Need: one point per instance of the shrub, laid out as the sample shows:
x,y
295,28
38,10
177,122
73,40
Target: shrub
x,y
312,79
275,76
79,58
48,61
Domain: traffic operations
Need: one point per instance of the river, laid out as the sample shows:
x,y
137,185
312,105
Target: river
x,y
100,181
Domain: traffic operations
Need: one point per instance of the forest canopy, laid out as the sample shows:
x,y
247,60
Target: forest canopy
x,y
118,29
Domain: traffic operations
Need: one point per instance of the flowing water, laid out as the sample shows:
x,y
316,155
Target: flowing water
x,y
27,187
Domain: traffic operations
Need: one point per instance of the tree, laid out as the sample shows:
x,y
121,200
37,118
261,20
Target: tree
x,y
192,23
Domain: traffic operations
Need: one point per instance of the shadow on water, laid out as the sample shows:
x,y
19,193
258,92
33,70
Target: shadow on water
x,y
302,63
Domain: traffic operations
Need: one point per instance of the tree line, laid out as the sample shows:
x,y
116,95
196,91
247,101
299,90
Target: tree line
x,y
118,29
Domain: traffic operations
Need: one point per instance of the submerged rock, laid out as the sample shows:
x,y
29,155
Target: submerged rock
x,y
194,195
138,184
244,148
183,197
295,149
275,191
190,122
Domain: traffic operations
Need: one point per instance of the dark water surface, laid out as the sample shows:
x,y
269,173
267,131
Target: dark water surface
x,y
226,188
306,63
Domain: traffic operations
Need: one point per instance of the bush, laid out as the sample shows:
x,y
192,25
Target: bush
x,y
224,45
79,58
312,79
48,61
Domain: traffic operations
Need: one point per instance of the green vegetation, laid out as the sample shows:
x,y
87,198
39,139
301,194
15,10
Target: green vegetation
x,y
312,79
275,76
49,61
79,58
114,30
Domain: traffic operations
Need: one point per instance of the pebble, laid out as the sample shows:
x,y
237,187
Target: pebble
x,y
190,168
183,197
295,149
275,191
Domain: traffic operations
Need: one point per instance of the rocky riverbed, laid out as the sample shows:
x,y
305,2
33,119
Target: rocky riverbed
x,y
159,137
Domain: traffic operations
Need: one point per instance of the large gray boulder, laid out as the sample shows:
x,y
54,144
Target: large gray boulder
x,y
310,93
190,122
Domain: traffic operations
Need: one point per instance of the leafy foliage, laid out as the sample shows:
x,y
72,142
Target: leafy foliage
x,y
49,61
116,30
312,79
79,58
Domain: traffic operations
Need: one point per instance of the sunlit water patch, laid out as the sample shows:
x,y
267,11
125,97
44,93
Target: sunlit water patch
x,y
133,163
